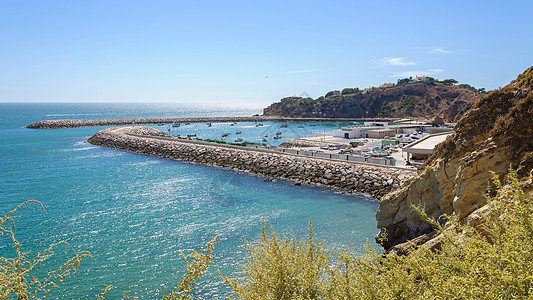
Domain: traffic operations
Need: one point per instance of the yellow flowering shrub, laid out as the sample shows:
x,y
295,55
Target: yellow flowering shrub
x,y
493,263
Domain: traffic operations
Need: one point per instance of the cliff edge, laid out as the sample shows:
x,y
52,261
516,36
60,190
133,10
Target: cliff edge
x,y
497,132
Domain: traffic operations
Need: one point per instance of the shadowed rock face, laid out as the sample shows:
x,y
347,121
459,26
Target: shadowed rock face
x,y
495,134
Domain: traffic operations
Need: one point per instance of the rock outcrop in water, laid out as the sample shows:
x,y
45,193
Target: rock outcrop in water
x,y
371,180
495,134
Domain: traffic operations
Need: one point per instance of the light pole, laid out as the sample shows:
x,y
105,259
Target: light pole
x,y
324,128
322,123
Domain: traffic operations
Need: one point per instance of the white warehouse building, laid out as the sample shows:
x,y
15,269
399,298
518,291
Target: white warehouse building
x,y
367,130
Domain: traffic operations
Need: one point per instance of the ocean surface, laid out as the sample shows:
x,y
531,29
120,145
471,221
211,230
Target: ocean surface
x,y
134,212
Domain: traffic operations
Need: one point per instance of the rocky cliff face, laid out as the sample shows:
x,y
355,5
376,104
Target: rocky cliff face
x,y
409,100
495,134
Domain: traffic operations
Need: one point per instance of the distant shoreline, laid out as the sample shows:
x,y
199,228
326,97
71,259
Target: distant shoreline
x,y
74,123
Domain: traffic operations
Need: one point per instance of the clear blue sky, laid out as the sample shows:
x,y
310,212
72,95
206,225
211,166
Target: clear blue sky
x,y
247,52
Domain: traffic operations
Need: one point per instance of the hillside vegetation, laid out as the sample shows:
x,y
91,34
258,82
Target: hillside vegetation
x,y
406,99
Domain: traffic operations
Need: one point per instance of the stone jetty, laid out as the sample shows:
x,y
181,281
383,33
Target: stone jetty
x,y
371,180
73,123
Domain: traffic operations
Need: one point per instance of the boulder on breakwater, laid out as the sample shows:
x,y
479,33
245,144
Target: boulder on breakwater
x,y
372,180
300,143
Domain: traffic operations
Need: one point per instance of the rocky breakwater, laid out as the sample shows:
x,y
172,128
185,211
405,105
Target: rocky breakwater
x,y
374,181
495,134
73,123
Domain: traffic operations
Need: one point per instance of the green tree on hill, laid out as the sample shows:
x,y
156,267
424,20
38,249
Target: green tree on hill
x,y
329,94
348,91
403,81
450,81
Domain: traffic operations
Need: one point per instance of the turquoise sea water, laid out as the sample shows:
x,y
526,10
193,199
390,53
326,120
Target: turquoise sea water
x,y
135,212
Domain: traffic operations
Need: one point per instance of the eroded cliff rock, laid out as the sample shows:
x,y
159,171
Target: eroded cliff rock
x,y
495,134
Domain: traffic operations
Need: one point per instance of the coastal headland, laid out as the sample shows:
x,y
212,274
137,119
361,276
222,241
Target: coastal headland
x,y
359,178
73,123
